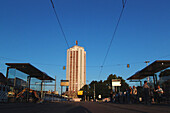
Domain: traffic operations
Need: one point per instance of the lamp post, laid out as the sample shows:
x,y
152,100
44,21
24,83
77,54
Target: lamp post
x,y
94,91
88,90
146,66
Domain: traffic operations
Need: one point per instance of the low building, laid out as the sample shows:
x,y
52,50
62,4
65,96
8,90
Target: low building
x,y
3,88
3,80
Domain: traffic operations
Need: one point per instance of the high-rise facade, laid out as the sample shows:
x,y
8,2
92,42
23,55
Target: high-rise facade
x,y
76,67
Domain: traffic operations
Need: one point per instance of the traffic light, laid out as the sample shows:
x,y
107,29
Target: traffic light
x,y
64,67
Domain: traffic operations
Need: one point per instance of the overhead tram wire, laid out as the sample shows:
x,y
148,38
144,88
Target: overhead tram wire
x,y
90,66
124,3
2,58
59,23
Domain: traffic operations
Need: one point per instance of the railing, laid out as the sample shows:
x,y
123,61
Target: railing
x,y
53,98
4,93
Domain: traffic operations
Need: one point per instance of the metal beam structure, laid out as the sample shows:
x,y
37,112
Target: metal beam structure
x,y
32,72
151,69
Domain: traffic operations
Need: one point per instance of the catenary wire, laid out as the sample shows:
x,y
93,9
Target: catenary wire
x,y
91,66
58,20
113,36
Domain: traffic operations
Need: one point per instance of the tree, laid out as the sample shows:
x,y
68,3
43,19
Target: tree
x,y
124,85
111,76
103,87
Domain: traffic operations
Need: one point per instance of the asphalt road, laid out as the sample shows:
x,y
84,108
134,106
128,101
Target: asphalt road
x,y
81,107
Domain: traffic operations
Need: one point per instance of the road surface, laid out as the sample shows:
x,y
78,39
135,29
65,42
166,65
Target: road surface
x,y
81,107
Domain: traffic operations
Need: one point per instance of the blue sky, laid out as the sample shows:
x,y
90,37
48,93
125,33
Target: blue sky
x,y
29,32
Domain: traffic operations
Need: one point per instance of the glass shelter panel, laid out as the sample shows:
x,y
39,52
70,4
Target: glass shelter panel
x,y
17,80
35,84
163,76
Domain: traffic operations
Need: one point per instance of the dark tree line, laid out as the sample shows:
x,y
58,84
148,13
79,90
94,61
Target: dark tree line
x,y
103,88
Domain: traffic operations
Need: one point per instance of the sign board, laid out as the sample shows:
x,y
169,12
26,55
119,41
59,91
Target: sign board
x,y
116,82
64,83
80,92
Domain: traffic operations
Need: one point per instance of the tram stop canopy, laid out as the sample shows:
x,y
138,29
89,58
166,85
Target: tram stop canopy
x,y
24,77
150,70
29,69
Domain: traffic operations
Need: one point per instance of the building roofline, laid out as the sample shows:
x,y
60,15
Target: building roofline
x,y
76,46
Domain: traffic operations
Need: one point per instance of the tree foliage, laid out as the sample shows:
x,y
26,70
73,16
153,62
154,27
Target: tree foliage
x,y
103,87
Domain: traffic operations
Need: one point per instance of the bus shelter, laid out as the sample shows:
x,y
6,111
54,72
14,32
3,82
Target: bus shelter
x,y
150,71
24,77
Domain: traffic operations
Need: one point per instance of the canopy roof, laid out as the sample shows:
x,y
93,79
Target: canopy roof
x,y
29,69
150,70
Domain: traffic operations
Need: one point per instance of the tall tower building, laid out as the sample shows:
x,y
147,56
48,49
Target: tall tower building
x,y
76,67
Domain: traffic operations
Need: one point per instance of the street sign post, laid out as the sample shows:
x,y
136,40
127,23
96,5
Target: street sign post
x,y
116,83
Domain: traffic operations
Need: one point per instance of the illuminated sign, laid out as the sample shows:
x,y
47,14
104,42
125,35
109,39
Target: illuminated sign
x,y
80,92
64,83
116,82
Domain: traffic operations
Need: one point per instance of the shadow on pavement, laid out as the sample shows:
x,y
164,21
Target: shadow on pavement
x,y
78,109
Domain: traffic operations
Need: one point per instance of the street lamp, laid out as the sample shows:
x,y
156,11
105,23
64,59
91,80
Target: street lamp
x,y
146,66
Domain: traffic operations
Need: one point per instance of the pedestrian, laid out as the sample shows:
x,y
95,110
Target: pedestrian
x,y
146,93
124,97
127,96
134,94
130,94
159,93
152,94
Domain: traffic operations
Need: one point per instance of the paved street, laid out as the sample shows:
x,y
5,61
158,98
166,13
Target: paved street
x,y
81,107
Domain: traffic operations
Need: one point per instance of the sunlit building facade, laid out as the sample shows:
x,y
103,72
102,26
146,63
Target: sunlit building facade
x,y
76,67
